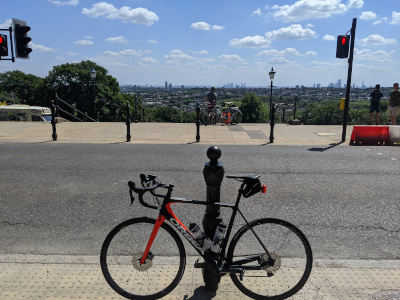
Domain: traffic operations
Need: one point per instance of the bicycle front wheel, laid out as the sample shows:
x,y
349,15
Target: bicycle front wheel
x,y
122,250
287,246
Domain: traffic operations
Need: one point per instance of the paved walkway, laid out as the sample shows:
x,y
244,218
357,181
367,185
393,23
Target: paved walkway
x,y
37,277
42,277
173,133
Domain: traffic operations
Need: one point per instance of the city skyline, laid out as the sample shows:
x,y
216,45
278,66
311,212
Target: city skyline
x,y
148,42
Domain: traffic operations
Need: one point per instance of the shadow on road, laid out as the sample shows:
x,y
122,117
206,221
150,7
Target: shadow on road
x,y
324,149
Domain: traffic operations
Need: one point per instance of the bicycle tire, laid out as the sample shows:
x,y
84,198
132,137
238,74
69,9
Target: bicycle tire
x,y
119,259
291,250
204,118
237,117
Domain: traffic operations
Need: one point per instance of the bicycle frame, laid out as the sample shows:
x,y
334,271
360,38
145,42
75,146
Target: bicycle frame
x,y
166,213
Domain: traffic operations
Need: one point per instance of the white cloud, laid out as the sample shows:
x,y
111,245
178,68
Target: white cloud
x,y
355,3
295,31
84,42
151,41
205,26
311,53
328,38
256,41
368,15
217,27
125,53
88,37
67,3
72,53
117,39
376,39
6,24
377,22
313,9
178,55
231,58
286,52
148,61
367,54
138,15
395,18
201,52
200,26
41,48
257,12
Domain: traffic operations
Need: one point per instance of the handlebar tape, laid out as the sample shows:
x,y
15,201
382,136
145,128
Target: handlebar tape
x,y
141,190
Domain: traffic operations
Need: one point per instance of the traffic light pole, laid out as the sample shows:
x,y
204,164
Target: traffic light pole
x,y
348,86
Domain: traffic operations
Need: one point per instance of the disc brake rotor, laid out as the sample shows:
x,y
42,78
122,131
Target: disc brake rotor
x,y
277,264
142,267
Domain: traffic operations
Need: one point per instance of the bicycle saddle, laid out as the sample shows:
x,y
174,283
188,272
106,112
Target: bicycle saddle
x,y
245,177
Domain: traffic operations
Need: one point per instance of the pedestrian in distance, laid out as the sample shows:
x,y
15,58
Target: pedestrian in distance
x,y
212,101
394,103
375,96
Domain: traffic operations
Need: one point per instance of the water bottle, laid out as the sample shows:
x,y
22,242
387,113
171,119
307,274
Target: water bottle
x,y
200,235
218,237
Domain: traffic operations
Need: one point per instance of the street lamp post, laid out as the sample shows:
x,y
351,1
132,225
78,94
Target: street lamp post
x,y
93,76
271,108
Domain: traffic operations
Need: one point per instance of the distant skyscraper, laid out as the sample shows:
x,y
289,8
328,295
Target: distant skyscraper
x,y
166,85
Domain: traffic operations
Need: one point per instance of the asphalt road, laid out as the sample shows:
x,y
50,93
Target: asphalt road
x,y
65,198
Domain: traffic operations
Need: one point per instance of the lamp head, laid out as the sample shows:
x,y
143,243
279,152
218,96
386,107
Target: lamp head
x,y
272,73
93,73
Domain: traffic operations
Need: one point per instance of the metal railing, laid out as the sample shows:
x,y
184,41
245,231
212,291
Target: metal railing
x,y
75,111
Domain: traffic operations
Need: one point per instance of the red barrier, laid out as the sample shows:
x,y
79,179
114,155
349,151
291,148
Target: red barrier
x,y
370,135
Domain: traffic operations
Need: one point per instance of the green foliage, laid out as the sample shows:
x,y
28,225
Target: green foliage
x,y
72,83
170,114
253,109
18,87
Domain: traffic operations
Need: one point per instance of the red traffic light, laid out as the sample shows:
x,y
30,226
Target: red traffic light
x,y
3,45
342,47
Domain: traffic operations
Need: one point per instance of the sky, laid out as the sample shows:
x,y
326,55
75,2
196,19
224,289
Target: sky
x,y
212,43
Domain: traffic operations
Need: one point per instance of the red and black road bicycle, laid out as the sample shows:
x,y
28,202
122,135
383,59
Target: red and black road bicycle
x,y
144,258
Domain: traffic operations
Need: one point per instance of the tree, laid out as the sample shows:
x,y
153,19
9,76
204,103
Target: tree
x,y
20,87
253,109
72,83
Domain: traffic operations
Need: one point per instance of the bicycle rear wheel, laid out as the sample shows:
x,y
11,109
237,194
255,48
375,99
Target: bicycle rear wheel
x,y
122,250
237,117
286,244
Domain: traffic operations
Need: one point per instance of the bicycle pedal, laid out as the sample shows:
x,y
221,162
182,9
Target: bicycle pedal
x,y
198,265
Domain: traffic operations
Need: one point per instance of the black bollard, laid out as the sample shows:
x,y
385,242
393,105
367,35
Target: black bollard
x,y
198,123
128,123
53,120
271,135
213,173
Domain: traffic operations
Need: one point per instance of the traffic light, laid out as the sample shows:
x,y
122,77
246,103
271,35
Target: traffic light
x,y
21,39
3,45
342,48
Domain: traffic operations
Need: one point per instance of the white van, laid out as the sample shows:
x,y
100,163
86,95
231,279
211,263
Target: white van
x,y
20,112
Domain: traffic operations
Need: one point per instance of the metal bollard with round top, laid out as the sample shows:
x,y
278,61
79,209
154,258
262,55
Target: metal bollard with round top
x,y
213,173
